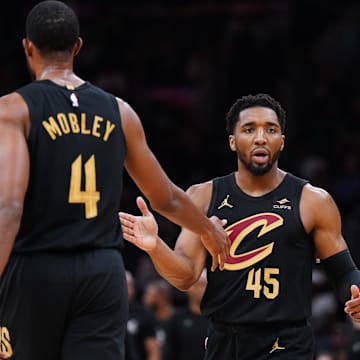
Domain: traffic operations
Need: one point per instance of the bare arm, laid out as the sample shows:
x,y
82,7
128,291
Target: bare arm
x,y
165,197
182,266
14,170
321,217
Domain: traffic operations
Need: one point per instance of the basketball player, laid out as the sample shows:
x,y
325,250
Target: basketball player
x,y
63,146
259,306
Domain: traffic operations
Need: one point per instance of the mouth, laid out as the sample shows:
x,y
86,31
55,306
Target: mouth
x,y
260,156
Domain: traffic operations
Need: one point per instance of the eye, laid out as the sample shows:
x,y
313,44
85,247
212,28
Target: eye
x,y
272,130
248,130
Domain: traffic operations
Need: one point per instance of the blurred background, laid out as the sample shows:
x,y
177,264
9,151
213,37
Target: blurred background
x,y
182,64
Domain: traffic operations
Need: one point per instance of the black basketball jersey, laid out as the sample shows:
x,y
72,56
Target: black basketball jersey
x,y
267,275
77,150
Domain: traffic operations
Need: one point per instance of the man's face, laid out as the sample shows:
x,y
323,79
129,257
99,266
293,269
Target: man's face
x,y
257,139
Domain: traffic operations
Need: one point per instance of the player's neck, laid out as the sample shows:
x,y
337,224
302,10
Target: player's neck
x,y
60,74
254,185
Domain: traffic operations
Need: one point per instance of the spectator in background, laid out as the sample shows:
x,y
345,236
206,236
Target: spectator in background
x,y
158,297
141,343
188,327
353,345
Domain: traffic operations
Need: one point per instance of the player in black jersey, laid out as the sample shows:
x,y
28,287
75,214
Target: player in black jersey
x,y
259,307
64,144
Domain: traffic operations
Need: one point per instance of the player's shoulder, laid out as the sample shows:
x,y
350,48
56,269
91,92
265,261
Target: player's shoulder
x,y
10,104
200,188
315,195
128,114
201,194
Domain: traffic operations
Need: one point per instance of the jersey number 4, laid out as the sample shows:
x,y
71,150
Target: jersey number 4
x,y
89,197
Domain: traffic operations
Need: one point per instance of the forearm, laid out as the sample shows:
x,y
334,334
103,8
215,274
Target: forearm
x,y
182,211
173,266
342,273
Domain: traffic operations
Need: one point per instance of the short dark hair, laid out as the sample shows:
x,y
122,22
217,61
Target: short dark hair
x,y
52,26
248,101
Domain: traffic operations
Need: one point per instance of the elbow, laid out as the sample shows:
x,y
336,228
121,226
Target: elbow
x,y
11,212
184,283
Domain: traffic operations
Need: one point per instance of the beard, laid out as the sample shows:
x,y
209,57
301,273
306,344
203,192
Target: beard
x,y
258,170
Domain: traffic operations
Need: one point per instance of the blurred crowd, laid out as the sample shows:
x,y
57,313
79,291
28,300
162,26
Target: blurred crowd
x,y
181,64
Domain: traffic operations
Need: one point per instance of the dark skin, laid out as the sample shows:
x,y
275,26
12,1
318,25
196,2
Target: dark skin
x,y
257,140
165,197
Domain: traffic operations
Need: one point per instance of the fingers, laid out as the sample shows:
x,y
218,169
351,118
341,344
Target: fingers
x,y
127,227
140,202
222,249
215,262
355,292
125,217
352,307
222,259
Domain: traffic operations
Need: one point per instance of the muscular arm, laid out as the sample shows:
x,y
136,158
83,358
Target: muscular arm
x,y
14,171
182,266
165,197
321,217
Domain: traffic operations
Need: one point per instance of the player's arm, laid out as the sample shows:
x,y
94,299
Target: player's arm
x,y
14,170
322,218
182,266
165,197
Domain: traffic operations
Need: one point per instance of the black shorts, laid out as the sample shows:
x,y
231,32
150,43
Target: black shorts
x,y
69,306
293,341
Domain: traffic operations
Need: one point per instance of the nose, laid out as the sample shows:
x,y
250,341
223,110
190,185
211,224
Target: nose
x,y
260,137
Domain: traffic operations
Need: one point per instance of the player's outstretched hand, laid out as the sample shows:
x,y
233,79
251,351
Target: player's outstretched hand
x,y
352,307
217,243
142,230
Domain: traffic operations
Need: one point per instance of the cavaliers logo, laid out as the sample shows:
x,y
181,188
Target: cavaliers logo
x,y
237,233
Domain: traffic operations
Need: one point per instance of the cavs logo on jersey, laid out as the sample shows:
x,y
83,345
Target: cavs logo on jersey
x,y
5,345
237,233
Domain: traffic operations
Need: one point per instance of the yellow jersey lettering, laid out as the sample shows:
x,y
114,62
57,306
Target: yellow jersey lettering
x,y
84,130
5,344
96,125
52,128
109,129
74,123
63,122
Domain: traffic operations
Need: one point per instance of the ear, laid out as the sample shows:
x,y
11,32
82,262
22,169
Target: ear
x,y
28,47
283,143
232,142
78,45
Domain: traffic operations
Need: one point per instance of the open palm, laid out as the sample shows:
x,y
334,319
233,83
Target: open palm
x,y
142,230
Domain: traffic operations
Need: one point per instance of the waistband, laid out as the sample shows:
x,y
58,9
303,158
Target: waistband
x,y
258,327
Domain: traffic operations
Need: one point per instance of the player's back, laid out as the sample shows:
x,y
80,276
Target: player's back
x,y
77,150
